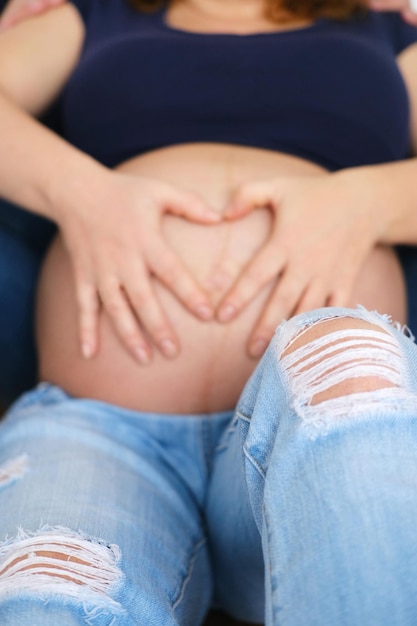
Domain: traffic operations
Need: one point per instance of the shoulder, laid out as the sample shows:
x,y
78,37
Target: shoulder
x,y
396,31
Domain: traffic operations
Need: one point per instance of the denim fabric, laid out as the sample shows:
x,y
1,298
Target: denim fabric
x,y
122,478
171,514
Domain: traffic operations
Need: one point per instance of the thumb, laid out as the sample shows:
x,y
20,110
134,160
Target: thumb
x,y
250,196
189,205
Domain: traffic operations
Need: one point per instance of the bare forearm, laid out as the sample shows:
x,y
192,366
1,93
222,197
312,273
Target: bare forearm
x,y
38,168
389,191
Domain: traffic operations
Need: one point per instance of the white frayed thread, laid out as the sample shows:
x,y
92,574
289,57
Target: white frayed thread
x,y
13,470
342,352
25,567
336,357
290,330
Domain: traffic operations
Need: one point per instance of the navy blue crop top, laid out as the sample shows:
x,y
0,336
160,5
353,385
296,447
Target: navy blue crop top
x,y
330,93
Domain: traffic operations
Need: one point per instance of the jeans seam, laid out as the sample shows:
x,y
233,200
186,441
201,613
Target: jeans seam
x,y
227,434
206,444
253,462
268,563
191,562
259,469
243,416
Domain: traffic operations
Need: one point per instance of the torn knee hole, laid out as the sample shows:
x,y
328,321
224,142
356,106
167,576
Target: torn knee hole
x,y
48,562
338,357
47,559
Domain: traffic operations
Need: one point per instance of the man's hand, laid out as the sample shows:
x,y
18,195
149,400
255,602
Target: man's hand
x,y
18,10
407,8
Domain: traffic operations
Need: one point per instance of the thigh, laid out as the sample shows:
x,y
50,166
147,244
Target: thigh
x,y
111,531
234,539
329,483
331,479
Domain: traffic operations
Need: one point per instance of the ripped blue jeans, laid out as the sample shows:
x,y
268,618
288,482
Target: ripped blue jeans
x,y
300,509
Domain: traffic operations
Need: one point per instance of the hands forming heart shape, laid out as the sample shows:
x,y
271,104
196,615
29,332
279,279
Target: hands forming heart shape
x,y
321,233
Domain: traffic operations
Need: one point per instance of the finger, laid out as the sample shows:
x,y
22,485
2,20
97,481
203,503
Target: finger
x,y
248,197
410,16
189,205
314,297
263,334
173,274
11,18
387,5
124,322
346,287
229,267
341,297
88,311
16,12
264,267
224,275
281,304
143,299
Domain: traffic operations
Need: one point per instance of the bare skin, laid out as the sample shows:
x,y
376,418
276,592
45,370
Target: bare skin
x,y
17,10
213,365
407,9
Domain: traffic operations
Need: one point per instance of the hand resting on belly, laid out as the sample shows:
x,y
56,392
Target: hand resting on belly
x,y
213,365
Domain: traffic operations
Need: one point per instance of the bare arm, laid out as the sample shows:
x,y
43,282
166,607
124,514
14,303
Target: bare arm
x,y
393,186
315,261
113,258
34,159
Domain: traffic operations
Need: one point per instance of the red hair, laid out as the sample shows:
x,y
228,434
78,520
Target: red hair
x,y
279,10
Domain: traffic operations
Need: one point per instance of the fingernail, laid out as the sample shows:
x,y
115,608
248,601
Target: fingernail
x,y
204,311
258,347
87,350
142,356
168,348
227,312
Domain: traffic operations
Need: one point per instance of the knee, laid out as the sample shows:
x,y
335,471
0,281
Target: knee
x,y
63,564
332,360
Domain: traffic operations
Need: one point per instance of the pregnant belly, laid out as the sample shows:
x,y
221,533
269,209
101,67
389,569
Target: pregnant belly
x,y
213,365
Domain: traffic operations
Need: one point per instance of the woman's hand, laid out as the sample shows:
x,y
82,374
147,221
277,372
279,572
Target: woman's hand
x,y
408,8
116,245
322,231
